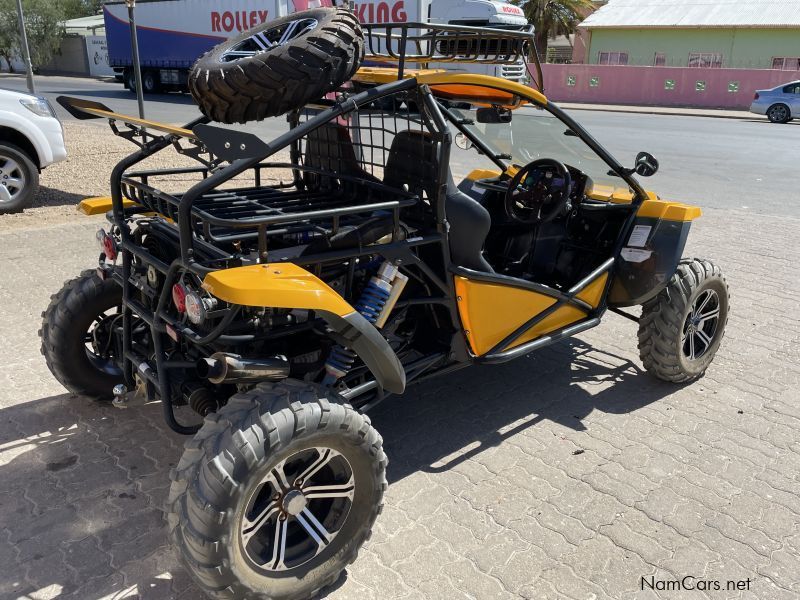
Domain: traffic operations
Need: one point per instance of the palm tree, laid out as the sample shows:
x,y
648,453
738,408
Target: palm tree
x,y
554,17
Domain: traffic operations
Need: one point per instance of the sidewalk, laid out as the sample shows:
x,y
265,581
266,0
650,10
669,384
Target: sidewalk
x,y
664,110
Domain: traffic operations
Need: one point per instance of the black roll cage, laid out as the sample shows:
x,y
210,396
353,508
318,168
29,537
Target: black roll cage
x,y
192,248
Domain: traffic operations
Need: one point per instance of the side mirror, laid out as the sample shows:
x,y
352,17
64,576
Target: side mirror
x,y
463,142
493,115
646,164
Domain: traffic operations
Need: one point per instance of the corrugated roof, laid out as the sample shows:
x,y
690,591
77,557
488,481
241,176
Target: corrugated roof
x,y
696,13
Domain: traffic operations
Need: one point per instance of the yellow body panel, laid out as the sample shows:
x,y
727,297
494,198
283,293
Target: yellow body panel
x,y
490,312
464,81
100,205
593,292
482,174
669,211
387,75
279,285
566,315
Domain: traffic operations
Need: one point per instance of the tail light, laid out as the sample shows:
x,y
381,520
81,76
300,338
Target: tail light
x,y
756,97
107,244
197,307
179,297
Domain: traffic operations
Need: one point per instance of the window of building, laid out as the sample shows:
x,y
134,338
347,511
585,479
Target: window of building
x,y
786,64
660,60
705,60
612,58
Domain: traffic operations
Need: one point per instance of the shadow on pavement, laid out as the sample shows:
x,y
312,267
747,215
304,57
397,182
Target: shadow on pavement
x,y
83,483
47,196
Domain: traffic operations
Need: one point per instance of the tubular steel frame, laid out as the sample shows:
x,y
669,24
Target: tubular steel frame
x,y
200,256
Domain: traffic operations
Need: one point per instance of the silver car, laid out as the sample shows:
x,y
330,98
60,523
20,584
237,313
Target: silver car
x,y
780,104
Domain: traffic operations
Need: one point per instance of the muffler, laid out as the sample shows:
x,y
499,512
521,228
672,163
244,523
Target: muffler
x,y
231,368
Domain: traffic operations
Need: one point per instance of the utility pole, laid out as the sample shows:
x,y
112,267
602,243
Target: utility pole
x,y
26,53
135,53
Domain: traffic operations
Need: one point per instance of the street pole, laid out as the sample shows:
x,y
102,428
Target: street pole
x,y
26,52
135,52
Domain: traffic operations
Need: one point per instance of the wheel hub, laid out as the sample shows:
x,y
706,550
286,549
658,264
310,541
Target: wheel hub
x,y
297,509
294,502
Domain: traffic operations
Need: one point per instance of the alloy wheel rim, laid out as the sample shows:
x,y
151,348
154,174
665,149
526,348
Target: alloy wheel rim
x,y
264,41
297,510
700,327
779,112
12,179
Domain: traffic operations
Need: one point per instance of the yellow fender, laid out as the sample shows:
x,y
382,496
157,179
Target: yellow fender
x,y
286,285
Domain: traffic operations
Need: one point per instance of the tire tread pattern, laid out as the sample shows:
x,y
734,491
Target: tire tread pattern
x,y
662,320
217,462
282,79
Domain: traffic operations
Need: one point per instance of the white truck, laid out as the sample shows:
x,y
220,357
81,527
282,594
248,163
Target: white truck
x,y
174,33
31,138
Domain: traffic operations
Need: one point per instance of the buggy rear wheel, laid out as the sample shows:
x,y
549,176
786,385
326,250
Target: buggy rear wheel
x,y
278,66
77,339
681,329
276,493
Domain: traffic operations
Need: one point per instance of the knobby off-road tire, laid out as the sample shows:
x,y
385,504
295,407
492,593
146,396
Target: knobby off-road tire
x,y
69,317
284,77
696,292
233,459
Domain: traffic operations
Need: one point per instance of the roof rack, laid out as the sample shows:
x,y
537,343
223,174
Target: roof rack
x,y
399,43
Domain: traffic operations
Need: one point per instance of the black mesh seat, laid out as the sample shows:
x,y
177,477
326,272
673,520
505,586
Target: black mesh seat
x,y
330,148
413,162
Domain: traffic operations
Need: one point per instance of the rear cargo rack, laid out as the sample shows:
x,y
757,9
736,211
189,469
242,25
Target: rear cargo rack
x,y
399,43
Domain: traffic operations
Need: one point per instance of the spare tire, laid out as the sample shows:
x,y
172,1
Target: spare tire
x,y
278,66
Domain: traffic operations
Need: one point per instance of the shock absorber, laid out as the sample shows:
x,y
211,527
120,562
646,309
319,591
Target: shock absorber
x,y
376,302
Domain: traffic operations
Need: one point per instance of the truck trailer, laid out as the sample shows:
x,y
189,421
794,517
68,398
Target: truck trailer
x,y
173,34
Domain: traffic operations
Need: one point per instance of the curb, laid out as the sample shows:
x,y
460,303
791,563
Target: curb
x,y
658,111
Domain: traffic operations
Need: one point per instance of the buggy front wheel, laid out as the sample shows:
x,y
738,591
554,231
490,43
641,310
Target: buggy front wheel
x,y
276,493
681,329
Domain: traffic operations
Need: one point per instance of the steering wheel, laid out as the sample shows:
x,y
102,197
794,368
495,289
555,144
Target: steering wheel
x,y
538,192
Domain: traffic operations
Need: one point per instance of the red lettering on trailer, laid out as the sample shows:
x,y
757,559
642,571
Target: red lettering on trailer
x,y
382,12
230,21
514,10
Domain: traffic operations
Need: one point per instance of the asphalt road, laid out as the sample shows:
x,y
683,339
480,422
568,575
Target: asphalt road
x,y
714,163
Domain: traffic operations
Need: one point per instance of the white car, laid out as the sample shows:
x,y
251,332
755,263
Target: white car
x,y
781,104
31,138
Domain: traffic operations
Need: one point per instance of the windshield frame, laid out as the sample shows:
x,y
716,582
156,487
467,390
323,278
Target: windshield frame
x,y
504,161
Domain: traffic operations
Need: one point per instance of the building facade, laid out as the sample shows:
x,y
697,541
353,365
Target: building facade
x,y
757,34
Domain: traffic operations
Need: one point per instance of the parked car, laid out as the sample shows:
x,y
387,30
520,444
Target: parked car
x,y
31,138
781,104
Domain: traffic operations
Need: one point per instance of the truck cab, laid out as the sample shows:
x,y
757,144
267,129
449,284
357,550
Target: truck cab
x,y
482,13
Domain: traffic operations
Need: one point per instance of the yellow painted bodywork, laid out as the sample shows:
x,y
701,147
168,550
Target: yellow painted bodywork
x,y
668,211
593,292
100,205
653,207
279,285
380,75
476,86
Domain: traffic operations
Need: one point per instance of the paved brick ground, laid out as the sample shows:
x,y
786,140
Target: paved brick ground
x,y
488,497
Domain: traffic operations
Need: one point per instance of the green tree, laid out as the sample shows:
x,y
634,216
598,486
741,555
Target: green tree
x,y
74,9
554,17
44,24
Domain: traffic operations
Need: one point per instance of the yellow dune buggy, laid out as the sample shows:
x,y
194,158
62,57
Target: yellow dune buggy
x,y
407,225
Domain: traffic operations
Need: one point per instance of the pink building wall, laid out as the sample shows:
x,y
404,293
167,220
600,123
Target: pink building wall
x,y
645,86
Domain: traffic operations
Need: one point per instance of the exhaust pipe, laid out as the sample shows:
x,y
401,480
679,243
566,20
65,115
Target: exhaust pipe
x,y
231,368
